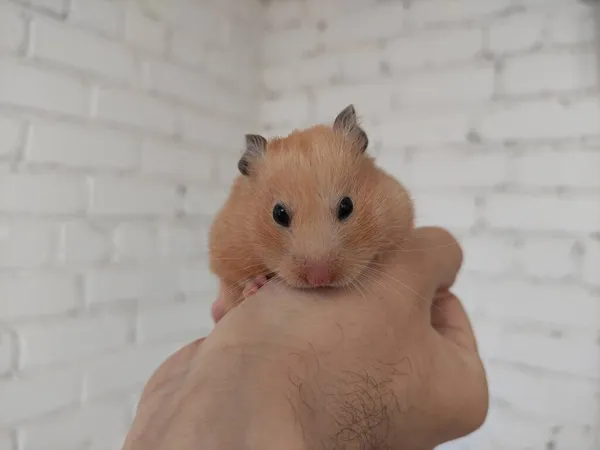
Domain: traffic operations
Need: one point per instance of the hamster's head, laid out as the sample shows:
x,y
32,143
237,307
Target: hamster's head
x,y
321,210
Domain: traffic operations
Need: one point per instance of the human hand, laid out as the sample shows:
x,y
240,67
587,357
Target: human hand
x,y
392,363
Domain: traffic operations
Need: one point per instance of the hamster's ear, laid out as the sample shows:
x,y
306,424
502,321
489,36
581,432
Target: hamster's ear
x,y
347,122
256,145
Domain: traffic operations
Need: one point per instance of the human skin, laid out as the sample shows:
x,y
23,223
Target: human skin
x,y
389,364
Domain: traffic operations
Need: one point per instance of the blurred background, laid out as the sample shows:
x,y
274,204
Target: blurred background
x,y
121,123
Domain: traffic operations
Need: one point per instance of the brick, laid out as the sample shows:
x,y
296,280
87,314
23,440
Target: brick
x,y
581,436
91,53
48,90
204,201
317,10
547,257
444,11
250,12
565,168
393,162
176,162
33,396
384,21
571,27
442,169
184,240
362,64
228,168
136,242
100,15
27,244
184,85
61,144
514,429
281,15
205,21
446,210
184,47
289,45
515,33
573,354
70,339
248,51
78,428
561,72
120,196
135,109
7,440
371,100
42,194
11,136
529,120
197,280
292,110
462,86
420,128
591,262
36,294
128,283
523,302
487,254
144,32
57,7
125,369
84,243
319,71
214,133
228,65
12,29
433,47
532,392
174,319
7,356
542,213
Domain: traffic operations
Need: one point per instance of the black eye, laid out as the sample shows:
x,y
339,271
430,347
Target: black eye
x,y
281,216
345,208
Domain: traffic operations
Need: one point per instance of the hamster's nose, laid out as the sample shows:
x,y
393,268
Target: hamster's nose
x,y
318,274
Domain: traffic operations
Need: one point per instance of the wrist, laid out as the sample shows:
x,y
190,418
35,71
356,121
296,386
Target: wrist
x,y
244,401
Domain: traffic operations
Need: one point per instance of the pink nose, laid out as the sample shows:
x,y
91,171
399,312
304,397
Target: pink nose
x,y
318,274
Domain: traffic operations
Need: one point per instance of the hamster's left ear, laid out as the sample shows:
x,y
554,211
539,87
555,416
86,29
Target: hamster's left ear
x,y
256,145
347,123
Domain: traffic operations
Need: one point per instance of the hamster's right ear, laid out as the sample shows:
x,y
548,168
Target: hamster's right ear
x,y
256,145
347,122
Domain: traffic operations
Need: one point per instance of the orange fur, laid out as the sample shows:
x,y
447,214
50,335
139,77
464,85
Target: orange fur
x,y
309,171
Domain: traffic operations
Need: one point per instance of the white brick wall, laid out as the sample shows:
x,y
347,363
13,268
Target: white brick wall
x,y
489,110
120,124
120,127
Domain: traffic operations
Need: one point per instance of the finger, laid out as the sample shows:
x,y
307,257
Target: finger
x,y
433,257
171,369
217,310
462,393
449,319
163,383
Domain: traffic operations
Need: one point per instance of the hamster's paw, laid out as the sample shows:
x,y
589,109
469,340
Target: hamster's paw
x,y
253,286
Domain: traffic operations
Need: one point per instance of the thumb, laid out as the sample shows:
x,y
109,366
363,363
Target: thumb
x,y
449,319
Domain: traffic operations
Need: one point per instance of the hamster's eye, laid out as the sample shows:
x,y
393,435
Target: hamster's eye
x,y
280,215
345,208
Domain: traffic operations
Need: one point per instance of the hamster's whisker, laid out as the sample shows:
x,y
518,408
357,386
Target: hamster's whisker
x,y
370,277
364,280
377,271
375,279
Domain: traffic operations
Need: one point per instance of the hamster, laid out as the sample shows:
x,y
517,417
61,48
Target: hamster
x,y
311,209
